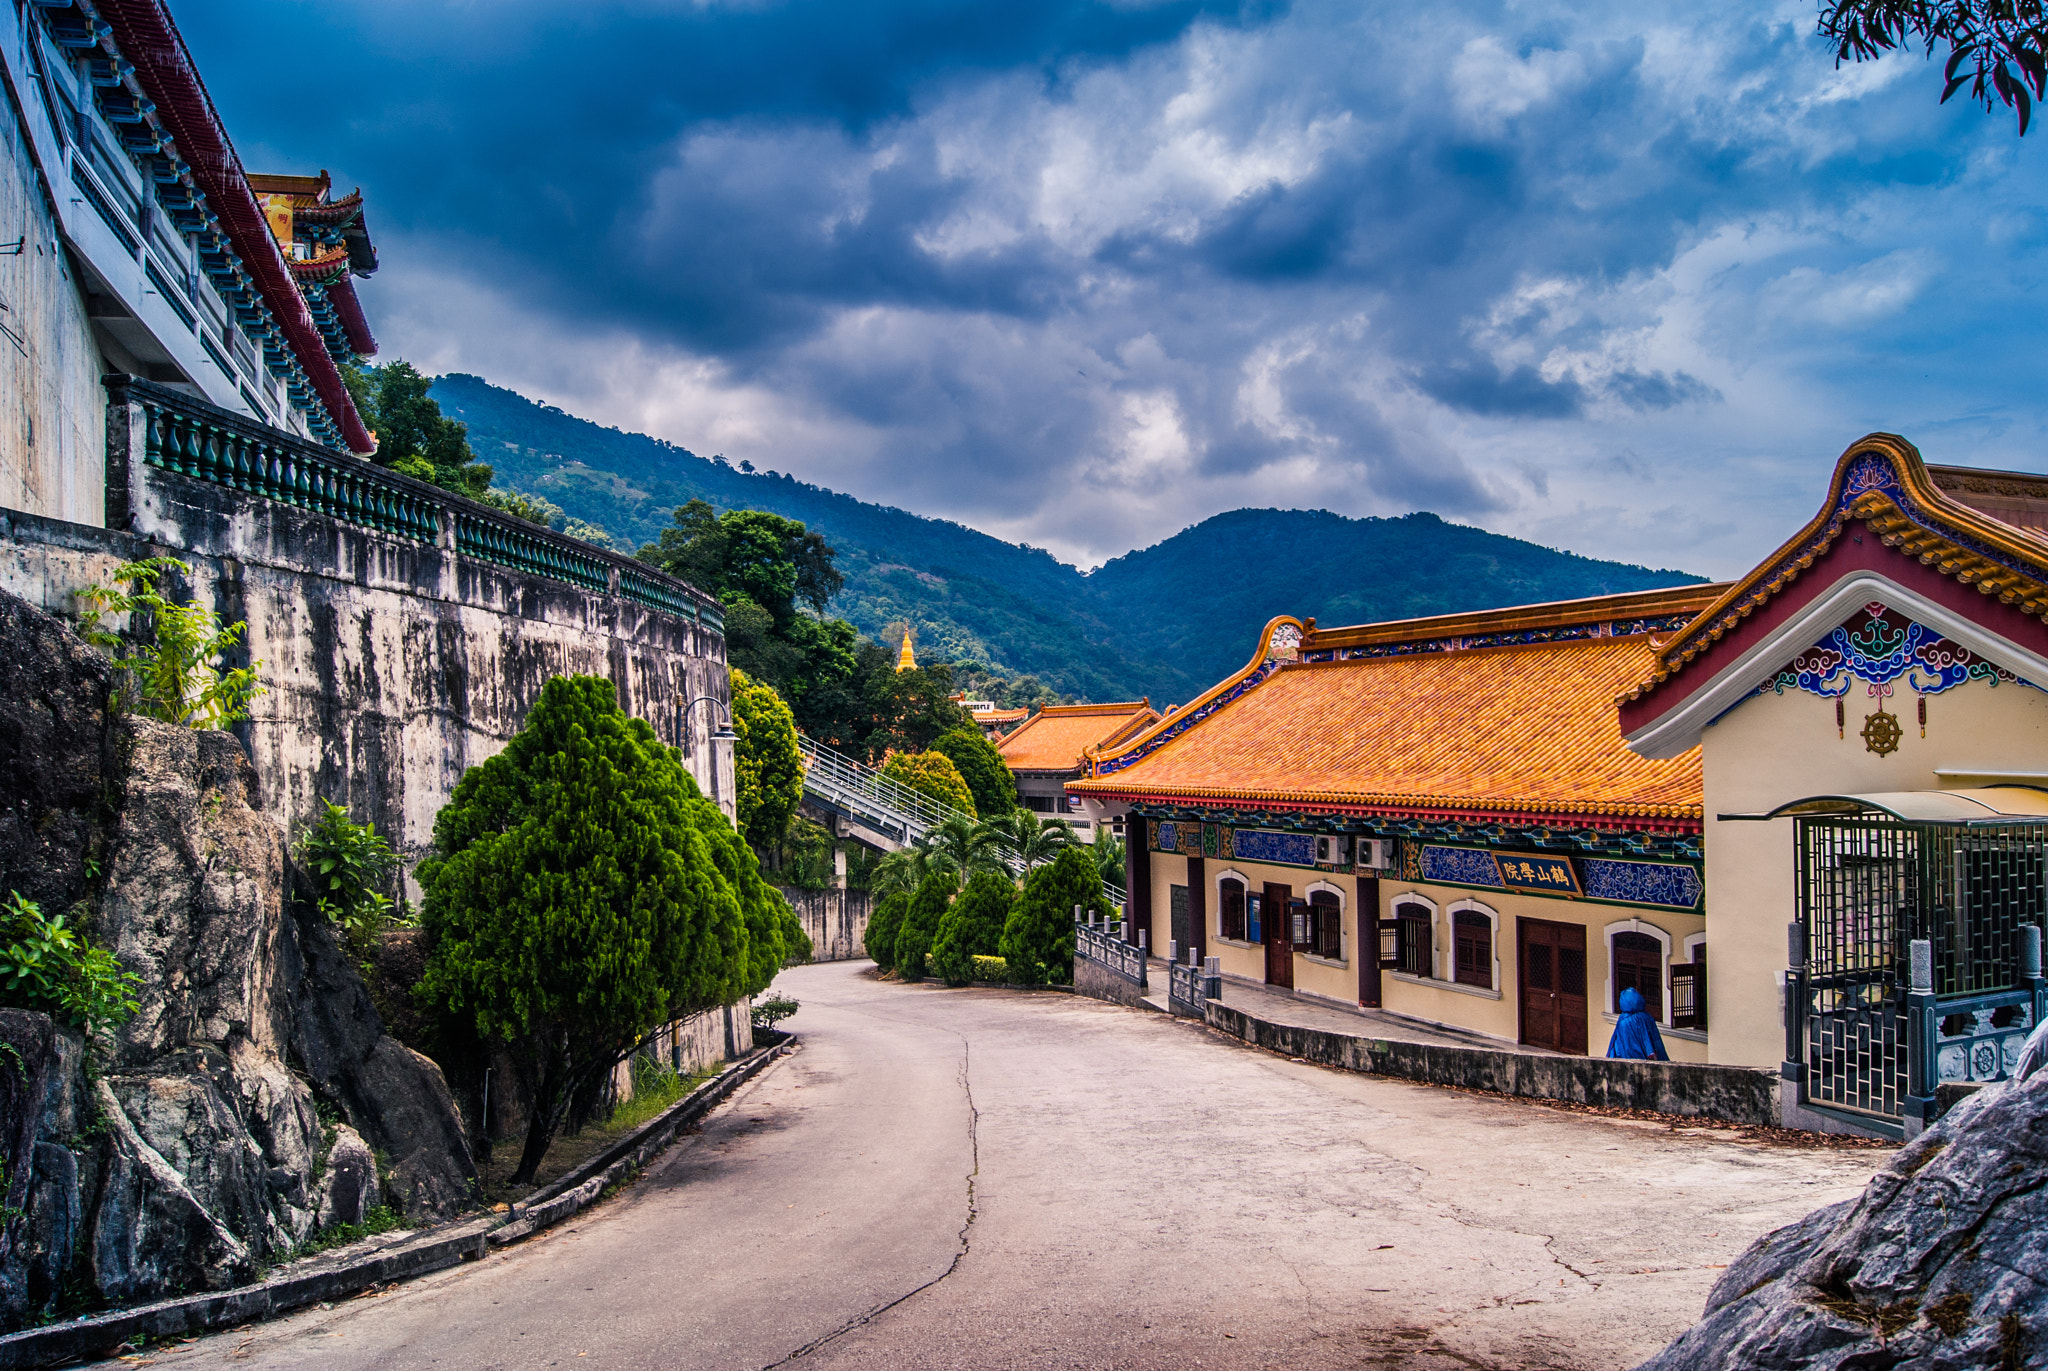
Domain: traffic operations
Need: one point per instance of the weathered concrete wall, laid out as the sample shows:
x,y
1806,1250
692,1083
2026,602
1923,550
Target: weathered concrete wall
x,y
52,407
1734,1093
1097,981
836,920
390,666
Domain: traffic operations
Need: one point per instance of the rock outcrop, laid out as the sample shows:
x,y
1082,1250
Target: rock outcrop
x,y
1942,1264
253,1099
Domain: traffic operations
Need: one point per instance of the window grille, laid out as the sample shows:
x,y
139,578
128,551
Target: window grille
x,y
1472,936
1689,991
1327,916
1230,910
1412,940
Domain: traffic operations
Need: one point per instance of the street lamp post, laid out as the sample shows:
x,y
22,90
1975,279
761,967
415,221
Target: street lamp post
x,y
722,734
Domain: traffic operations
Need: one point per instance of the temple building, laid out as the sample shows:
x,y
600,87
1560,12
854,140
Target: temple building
x,y
1051,748
1833,771
326,243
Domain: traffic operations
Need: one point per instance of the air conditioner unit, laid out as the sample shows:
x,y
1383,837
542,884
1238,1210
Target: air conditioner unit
x,y
1333,851
1375,854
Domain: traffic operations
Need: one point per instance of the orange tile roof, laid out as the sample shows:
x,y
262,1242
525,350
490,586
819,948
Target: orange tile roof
x,y
998,716
1056,737
1522,730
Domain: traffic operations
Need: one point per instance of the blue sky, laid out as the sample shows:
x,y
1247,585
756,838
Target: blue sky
x,y
1618,277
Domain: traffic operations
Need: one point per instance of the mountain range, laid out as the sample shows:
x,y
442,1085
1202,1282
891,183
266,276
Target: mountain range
x,y
1159,622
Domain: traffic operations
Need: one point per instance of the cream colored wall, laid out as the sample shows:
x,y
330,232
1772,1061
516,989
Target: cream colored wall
x,y
1438,1001
1775,748
1327,978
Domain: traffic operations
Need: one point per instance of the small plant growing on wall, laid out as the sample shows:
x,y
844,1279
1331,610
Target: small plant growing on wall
x,y
349,866
47,966
173,671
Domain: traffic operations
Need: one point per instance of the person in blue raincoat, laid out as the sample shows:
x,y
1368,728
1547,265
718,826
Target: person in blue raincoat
x,y
1635,1032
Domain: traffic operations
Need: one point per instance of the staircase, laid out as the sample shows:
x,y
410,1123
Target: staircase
x,y
883,813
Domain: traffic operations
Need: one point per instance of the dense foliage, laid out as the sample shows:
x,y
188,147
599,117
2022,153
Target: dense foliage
x,y
1038,937
349,867
175,670
1029,838
931,774
1157,622
982,767
973,926
47,966
921,923
767,761
883,922
1998,48
581,894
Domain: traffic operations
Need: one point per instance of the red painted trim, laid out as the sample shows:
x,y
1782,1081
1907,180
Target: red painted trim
x,y
1553,819
350,309
163,67
1858,549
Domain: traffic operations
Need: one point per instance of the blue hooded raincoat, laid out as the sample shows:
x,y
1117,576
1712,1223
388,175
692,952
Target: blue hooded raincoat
x,y
1635,1032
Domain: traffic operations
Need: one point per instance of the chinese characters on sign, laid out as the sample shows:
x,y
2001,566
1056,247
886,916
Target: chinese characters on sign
x,y
1549,874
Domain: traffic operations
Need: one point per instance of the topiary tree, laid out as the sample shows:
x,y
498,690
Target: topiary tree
x,y
1038,937
575,900
983,768
973,927
883,922
921,923
933,774
767,761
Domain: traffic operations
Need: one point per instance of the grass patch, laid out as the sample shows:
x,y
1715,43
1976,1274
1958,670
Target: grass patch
x,y
382,1219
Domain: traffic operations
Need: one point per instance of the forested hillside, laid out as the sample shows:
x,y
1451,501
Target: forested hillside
x,y
1163,621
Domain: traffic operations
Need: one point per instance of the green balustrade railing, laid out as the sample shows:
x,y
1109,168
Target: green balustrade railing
x,y
194,439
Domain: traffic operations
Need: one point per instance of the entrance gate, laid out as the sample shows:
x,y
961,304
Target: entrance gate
x,y
1915,958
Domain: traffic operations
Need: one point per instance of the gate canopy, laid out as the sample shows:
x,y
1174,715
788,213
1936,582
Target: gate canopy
x,y
2002,804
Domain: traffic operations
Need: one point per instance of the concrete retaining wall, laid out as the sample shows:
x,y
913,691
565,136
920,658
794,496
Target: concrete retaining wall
x,y
389,666
837,921
1099,982
1734,1093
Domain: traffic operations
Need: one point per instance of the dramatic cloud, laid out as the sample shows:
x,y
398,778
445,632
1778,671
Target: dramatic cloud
x,y
1621,277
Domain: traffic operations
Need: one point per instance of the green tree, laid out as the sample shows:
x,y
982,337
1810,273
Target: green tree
x,y
767,761
577,899
413,435
883,922
1034,841
973,926
931,774
174,667
910,710
1109,858
921,923
906,867
1998,48
987,775
965,847
1038,937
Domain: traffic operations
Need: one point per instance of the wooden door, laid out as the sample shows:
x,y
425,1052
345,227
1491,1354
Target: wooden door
x,y
1551,961
1367,949
1279,933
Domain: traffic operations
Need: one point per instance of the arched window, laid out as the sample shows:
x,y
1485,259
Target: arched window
x,y
1412,947
1472,938
1639,966
1230,909
1326,924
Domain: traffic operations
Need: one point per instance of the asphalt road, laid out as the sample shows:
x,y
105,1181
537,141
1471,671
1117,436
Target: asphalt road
x,y
976,1178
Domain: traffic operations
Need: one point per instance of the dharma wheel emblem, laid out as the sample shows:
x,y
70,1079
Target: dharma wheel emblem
x,y
1881,732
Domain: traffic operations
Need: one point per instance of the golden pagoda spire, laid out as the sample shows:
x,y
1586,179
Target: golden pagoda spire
x,y
906,660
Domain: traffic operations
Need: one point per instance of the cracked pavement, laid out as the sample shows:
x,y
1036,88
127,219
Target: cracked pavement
x,y
945,1178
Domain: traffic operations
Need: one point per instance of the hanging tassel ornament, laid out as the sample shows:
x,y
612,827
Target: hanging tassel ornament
x,y
1839,724
1923,716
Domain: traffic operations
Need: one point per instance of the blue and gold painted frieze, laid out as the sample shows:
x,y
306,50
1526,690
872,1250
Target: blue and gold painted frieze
x,y
1665,885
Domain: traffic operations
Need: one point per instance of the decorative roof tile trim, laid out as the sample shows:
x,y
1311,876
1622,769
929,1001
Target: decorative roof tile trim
x,y
1625,614
146,36
1280,641
1882,481
342,295
1507,808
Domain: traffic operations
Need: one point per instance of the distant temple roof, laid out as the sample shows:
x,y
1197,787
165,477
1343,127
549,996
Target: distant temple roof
x,y
1506,714
326,242
1057,738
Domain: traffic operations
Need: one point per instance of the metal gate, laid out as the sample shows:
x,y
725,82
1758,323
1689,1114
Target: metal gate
x,y
1871,886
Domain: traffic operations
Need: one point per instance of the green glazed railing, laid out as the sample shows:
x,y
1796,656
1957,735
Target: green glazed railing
x,y
194,439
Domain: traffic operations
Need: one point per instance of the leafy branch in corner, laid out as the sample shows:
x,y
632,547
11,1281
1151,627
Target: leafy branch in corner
x,y
1998,48
349,865
173,666
47,966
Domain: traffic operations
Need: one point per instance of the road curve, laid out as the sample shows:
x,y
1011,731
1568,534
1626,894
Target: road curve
x,y
948,1178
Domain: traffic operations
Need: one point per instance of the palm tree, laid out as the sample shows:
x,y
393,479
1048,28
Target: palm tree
x,y
965,846
1109,858
906,867
1032,840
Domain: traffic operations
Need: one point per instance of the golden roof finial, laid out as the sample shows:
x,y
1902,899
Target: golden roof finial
x,y
906,660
